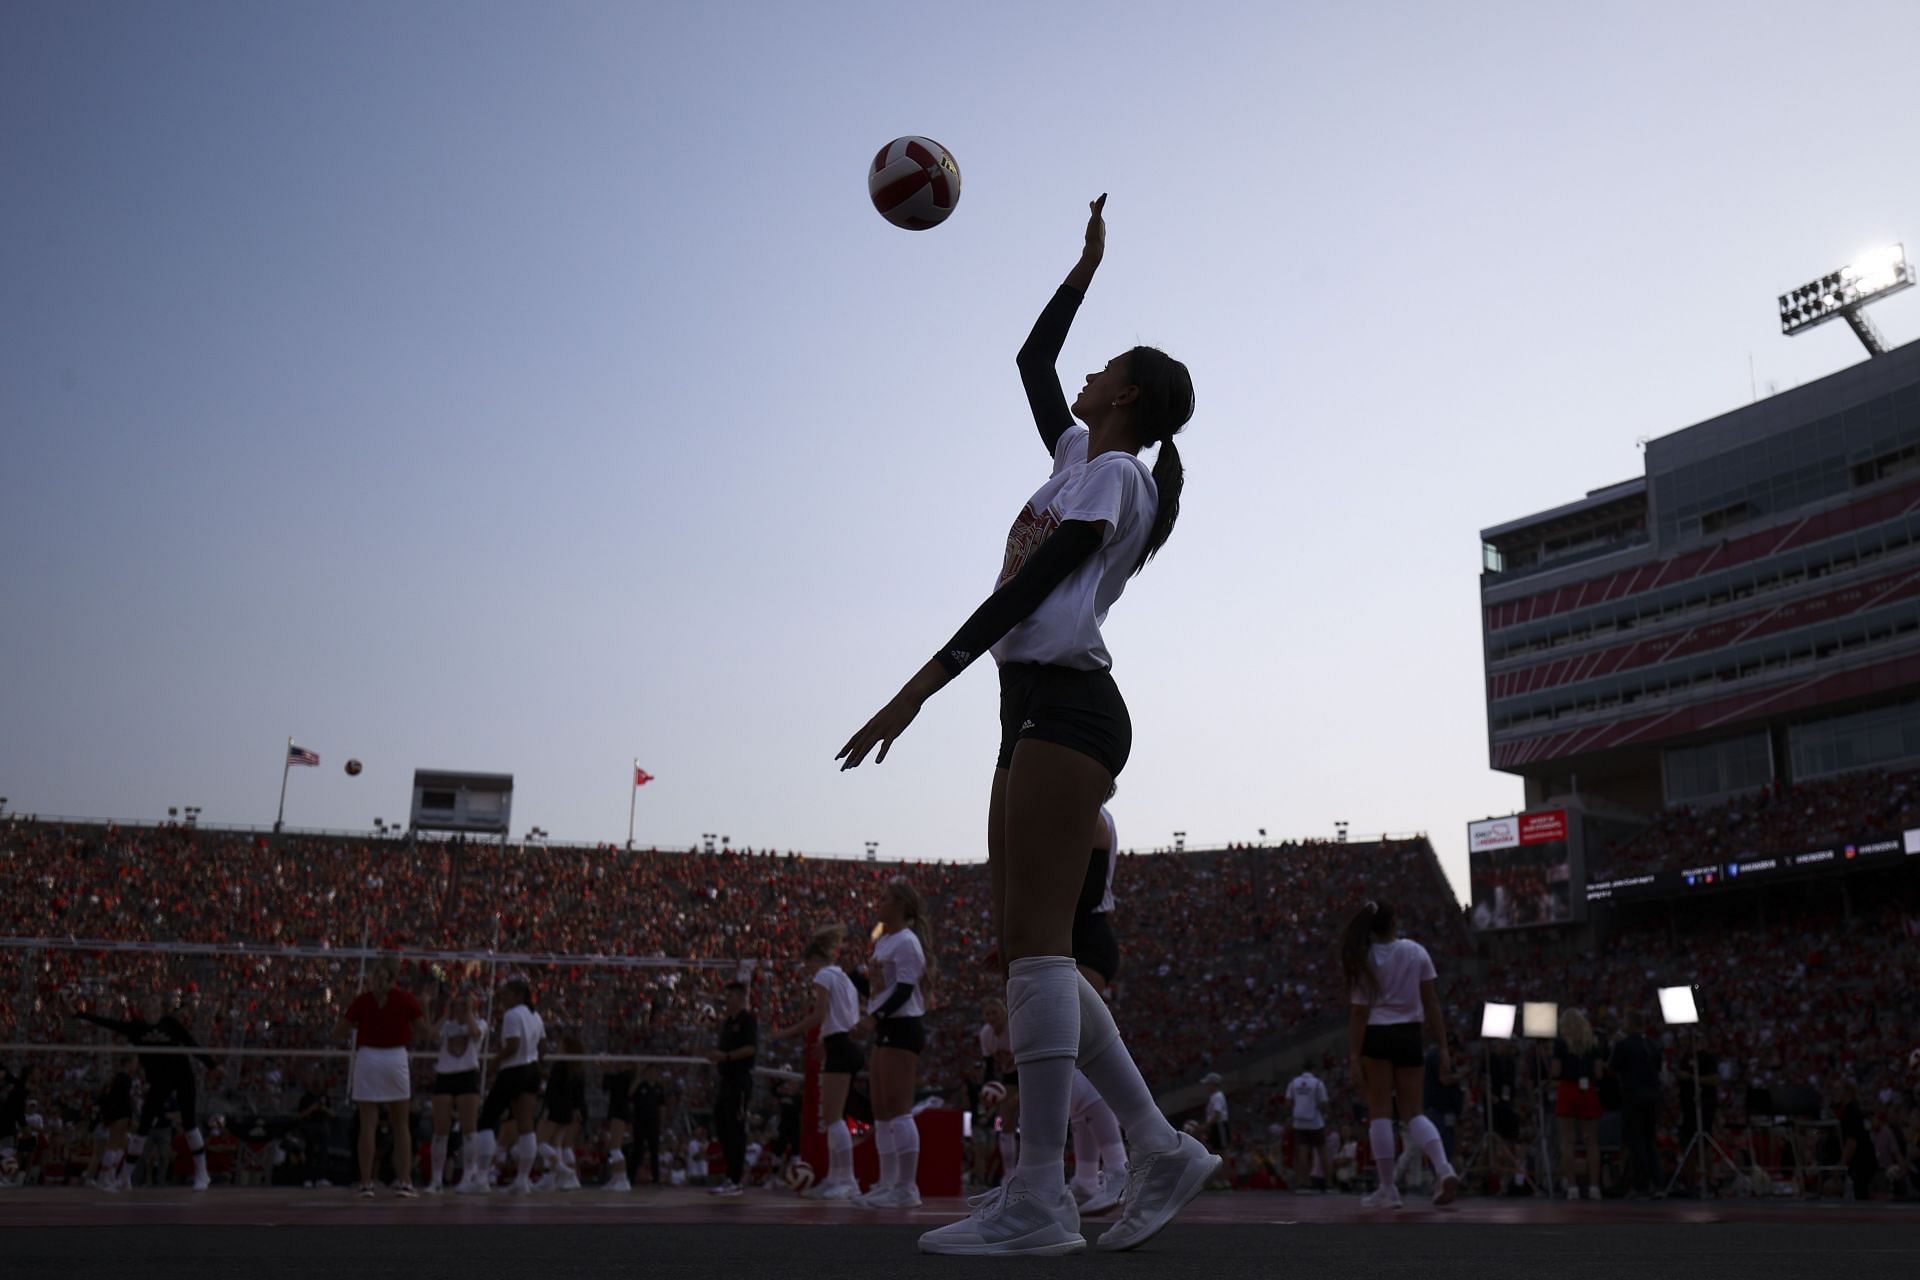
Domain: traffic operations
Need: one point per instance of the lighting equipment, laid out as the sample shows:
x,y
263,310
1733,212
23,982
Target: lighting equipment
x,y
1496,1023
1841,294
1680,1007
1540,1020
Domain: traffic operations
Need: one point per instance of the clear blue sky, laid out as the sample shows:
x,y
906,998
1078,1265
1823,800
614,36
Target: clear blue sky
x,y
531,388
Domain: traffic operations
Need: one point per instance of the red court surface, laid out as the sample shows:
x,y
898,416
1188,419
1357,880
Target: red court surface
x,y
58,1207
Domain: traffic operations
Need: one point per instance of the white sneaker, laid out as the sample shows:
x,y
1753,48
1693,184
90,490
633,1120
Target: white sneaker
x,y
569,1179
844,1189
1159,1185
721,1188
471,1187
545,1182
901,1197
201,1182
518,1187
731,1189
619,1184
1573,1192
1593,1193
1385,1197
1448,1189
1011,1220
432,1189
1105,1198
1082,1192
871,1197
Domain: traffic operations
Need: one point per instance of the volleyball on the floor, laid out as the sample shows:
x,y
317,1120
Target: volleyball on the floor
x,y
993,1093
914,183
353,768
799,1175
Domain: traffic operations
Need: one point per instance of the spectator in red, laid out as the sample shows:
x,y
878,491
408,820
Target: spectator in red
x,y
385,1020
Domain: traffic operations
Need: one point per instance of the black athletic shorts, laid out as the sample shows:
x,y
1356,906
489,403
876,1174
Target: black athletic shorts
x,y
1395,1042
840,1055
509,1085
620,1107
1094,944
457,1084
565,1107
114,1111
900,1033
1078,709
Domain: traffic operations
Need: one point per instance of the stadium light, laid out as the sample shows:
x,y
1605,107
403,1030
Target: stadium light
x,y
1868,278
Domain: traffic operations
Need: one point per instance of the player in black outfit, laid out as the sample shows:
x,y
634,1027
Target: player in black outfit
x,y
739,1044
649,1100
619,1086
169,1078
116,1115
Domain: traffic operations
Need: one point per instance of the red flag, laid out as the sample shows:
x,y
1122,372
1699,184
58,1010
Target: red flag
x,y
641,777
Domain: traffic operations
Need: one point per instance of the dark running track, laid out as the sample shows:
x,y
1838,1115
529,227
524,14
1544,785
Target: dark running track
x,y
78,1235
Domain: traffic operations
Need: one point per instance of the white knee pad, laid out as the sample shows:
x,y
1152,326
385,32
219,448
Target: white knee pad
x,y
1043,1008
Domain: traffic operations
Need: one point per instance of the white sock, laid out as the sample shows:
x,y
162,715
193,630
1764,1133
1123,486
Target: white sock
x,y
906,1151
135,1145
1380,1138
1110,1067
525,1147
439,1159
1106,1133
1422,1133
567,1160
109,1161
1086,1153
839,1152
883,1143
549,1156
477,1155
1043,1023
617,1162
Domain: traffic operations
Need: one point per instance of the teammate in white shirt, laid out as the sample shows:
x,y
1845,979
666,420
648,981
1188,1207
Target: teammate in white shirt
x,y
997,1067
1216,1114
516,1089
1392,983
456,1083
1307,1098
835,1011
1065,736
900,967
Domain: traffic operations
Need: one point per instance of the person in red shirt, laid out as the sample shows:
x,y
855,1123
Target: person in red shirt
x,y
385,1020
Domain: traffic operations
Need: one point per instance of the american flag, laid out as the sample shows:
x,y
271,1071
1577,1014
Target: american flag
x,y
300,755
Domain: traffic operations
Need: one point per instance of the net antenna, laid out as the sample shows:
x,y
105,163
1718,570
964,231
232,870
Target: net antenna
x,y
1842,294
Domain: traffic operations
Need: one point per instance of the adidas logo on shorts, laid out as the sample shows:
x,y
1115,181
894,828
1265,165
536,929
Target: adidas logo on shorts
x,y
1028,725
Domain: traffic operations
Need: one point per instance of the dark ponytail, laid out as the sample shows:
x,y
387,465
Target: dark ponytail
x,y
1162,410
1374,919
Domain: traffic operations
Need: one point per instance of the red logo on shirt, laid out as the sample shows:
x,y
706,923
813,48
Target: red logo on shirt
x,y
1028,532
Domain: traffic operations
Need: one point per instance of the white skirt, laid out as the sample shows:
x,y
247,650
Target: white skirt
x,y
381,1075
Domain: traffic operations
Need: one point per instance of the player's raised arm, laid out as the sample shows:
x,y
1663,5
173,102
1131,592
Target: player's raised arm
x,y
1042,349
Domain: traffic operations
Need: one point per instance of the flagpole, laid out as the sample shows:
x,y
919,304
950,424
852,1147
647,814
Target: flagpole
x,y
286,763
633,791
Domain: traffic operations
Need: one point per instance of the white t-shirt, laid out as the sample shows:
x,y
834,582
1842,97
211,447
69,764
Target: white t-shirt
x,y
1216,1106
1401,966
843,1002
992,1042
1113,861
1309,1099
898,958
523,1022
1115,488
459,1051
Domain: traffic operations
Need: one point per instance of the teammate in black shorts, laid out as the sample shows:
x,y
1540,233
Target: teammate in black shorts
x,y
1065,736
516,1089
618,1084
834,1011
456,1081
169,1076
116,1117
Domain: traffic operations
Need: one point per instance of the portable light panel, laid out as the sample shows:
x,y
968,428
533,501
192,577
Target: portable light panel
x,y
1678,1008
1540,1019
1496,1021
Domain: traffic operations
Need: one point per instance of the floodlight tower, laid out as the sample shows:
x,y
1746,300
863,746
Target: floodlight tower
x,y
1843,293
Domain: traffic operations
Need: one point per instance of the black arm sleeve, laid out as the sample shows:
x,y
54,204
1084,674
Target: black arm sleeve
x,y
901,993
1044,570
114,1025
1037,359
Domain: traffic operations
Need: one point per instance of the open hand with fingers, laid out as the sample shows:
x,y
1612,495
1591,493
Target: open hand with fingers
x,y
887,724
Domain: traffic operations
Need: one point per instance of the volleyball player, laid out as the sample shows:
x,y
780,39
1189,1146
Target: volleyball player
x,y
1392,984
169,1078
385,1019
835,1011
456,1083
1066,735
516,1089
558,1132
618,1084
116,1117
997,1066
1099,1151
900,964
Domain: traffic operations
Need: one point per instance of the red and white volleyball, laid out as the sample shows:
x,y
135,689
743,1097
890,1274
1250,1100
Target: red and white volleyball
x,y
993,1093
799,1175
914,183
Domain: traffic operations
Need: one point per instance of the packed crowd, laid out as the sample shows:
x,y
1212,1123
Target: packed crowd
x,y
1226,951
1781,818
